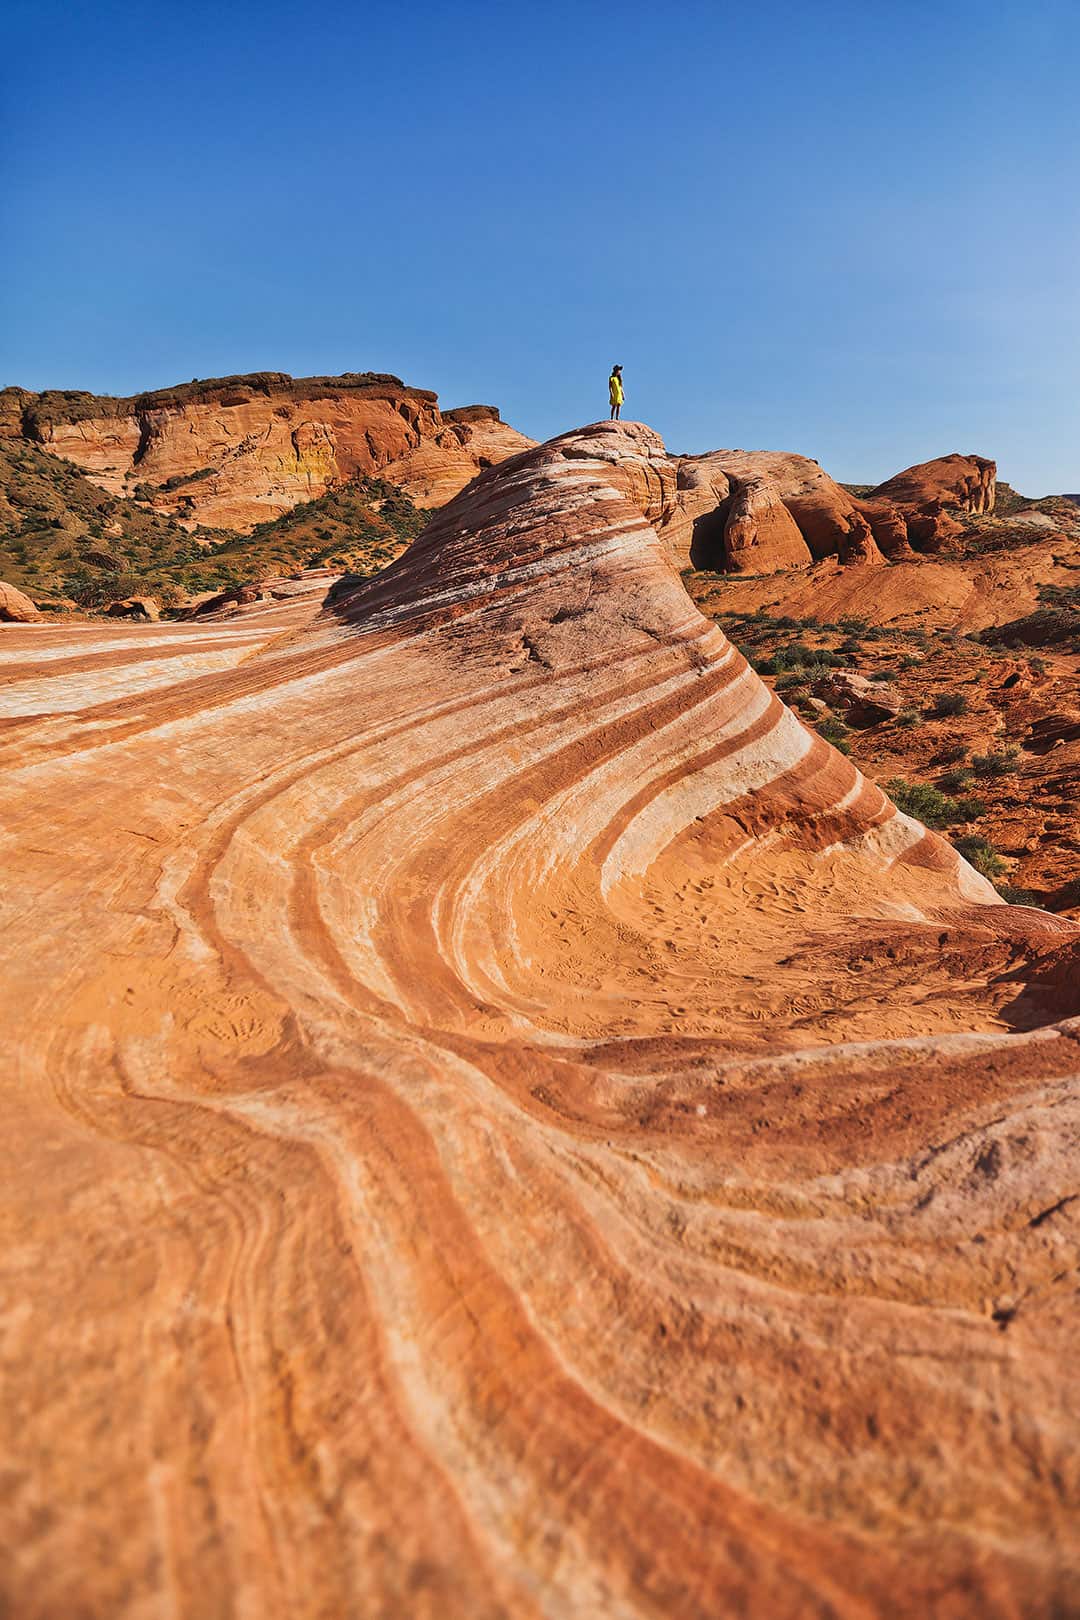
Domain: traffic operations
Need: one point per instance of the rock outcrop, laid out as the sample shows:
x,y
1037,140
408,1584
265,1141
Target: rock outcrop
x,y
966,483
921,501
861,702
134,607
761,511
237,451
510,1123
15,607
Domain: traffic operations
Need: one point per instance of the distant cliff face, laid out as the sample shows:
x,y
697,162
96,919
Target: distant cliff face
x,y
237,451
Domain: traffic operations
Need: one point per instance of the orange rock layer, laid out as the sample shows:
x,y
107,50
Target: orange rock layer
x,y
241,450
503,1121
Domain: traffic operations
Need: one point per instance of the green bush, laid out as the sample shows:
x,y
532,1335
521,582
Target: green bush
x,y
1016,897
955,781
929,805
813,660
999,764
835,732
948,703
1068,896
981,855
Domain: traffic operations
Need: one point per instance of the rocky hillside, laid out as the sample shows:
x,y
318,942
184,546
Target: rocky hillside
x,y
232,452
67,543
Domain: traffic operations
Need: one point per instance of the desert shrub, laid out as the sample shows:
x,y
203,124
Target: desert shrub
x,y
909,717
1067,897
834,731
796,653
955,781
813,660
1014,896
947,703
995,764
105,588
981,855
929,805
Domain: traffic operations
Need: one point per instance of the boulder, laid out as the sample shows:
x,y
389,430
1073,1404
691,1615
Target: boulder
x,y
889,528
1046,627
1051,731
15,608
225,601
134,607
862,702
928,495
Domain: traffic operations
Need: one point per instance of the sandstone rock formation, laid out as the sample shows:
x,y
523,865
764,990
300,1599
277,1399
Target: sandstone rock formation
x,y
134,607
920,501
759,511
966,483
762,511
509,1123
239,450
15,607
861,701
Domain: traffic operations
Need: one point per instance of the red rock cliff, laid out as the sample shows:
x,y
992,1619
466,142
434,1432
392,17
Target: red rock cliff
x,y
236,451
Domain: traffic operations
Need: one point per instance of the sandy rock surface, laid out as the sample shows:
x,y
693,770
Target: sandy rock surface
x,y
504,1121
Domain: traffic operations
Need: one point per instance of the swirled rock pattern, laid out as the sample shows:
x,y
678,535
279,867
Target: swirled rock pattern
x,y
503,1121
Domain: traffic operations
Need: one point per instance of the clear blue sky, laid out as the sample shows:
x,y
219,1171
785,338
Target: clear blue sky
x,y
846,229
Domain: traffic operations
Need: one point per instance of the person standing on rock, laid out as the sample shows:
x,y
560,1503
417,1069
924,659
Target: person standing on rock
x,y
615,392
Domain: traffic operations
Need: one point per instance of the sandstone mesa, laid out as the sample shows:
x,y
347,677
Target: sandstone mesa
x,y
505,1120
235,451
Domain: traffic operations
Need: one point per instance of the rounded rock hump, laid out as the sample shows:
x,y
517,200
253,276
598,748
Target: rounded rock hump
x,y
15,606
552,563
